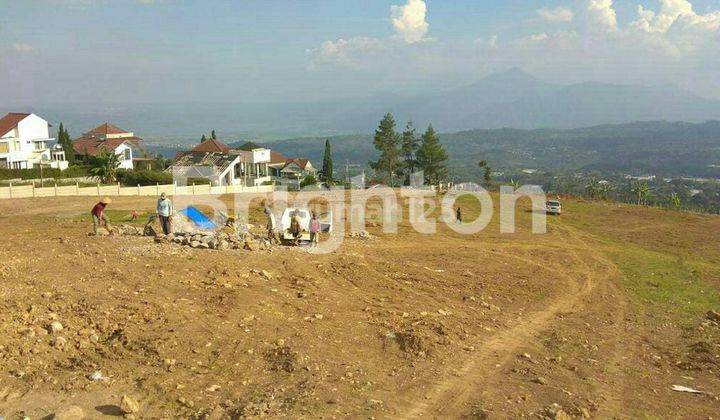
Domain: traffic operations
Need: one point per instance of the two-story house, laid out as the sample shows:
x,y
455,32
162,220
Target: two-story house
x,y
25,143
106,138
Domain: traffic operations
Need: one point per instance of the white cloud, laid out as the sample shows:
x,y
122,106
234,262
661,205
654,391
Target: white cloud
x,y
559,14
603,14
409,21
676,28
23,47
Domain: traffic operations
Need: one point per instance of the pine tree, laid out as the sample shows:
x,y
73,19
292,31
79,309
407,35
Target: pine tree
x,y
327,167
408,150
387,142
431,157
63,139
212,135
203,139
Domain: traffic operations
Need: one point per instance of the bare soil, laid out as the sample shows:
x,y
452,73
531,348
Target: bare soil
x,y
598,318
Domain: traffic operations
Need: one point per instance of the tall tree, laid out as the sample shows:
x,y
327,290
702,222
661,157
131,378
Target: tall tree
x,y
327,167
203,139
408,150
387,142
431,157
212,135
63,139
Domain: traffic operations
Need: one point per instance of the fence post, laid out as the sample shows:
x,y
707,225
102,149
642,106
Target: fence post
x,y
157,188
77,188
56,189
138,190
98,189
33,189
118,189
174,188
193,188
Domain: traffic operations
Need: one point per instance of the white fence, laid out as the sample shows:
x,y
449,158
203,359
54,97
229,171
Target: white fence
x,y
28,191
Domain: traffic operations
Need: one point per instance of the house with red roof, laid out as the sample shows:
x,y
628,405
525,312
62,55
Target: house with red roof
x,y
25,143
295,169
109,138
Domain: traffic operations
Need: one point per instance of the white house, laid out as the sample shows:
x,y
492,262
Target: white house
x,y
106,138
25,143
216,161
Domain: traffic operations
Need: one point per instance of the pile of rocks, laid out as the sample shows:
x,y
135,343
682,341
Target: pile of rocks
x,y
214,240
361,234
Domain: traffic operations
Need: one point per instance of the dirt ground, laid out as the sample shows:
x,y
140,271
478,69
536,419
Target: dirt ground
x,y
598,318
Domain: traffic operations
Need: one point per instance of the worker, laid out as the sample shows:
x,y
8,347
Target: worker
x,y
458,215
295,230
164,211
314,229
270,222
98,214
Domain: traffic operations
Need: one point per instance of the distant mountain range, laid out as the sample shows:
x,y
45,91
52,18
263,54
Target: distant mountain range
x,y
510,99
659,148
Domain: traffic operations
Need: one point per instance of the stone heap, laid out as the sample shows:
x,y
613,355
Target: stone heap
x,y
219,240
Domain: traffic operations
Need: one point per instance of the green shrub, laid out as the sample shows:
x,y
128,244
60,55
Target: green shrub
x,y
309,180
198,181
133,178
47,173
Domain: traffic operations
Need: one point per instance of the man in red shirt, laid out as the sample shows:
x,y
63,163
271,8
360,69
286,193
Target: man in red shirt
x,y
98,214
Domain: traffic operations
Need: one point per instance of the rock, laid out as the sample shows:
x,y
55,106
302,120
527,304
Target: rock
x,y
713,315
540,380
526,356
129,405
562,415
59,342
71,412
223,245
194,244
55,327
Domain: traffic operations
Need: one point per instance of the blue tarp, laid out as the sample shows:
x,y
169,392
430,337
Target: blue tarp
x,y
197,217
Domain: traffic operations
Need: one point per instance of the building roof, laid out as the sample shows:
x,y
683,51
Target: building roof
x,y
301,162
216,161
105,129
10,121
212,146
92,146
277,158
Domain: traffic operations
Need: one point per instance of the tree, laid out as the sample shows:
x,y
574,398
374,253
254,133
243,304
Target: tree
x,y
514,184
203,139
104,166
593,188
63,139
431,157
212,135
327,167
487,172
641,190
675,200
408,151
387,141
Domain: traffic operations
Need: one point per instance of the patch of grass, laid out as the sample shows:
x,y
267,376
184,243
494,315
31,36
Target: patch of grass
x,y
667,282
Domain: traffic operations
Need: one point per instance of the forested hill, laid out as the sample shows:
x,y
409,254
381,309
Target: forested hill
x,y
661,148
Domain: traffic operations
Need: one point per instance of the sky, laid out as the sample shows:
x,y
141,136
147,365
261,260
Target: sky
x,y
155,51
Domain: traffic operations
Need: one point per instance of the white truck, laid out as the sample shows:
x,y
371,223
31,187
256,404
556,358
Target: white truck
x,y
553,207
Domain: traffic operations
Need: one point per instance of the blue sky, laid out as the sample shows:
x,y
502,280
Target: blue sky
x,y
128,51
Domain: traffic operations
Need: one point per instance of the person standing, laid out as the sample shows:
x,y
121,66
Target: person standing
x,y
314,229
270,223
295,229
164,211
98,214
